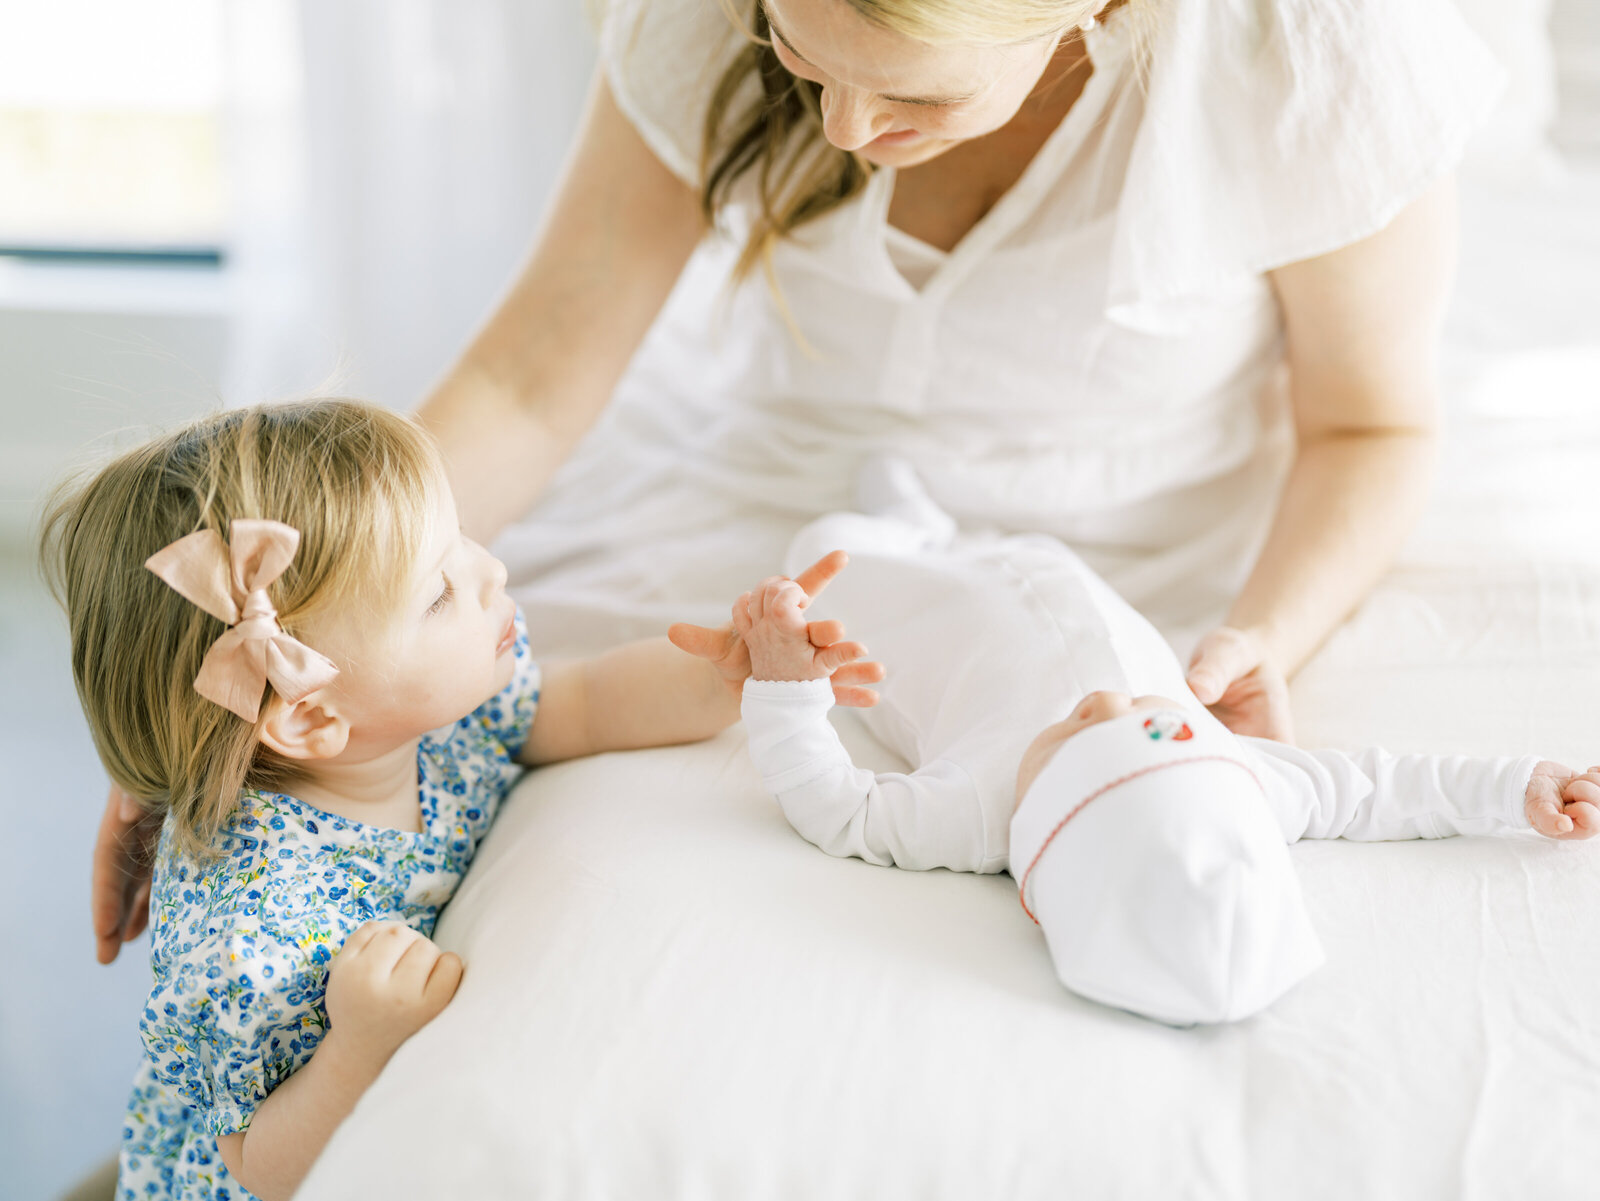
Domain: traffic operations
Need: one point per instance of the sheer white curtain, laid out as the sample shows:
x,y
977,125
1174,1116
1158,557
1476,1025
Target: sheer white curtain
x,y
388,163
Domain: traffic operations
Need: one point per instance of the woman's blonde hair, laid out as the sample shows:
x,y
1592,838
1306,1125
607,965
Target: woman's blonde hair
x,y
358,481
778,134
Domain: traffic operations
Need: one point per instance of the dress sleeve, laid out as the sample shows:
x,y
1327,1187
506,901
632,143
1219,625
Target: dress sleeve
x,y
507,716
663,59
1279,130
233,1017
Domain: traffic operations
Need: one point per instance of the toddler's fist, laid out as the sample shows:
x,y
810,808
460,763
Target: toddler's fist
x,y
1561,803
386,983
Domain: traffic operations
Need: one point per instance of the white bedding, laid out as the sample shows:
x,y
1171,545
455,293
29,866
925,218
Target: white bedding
x,y
670,995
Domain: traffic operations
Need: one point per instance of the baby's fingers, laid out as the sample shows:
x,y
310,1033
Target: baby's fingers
x,y
1585,817
1547,818
824,633
831,658
1583,788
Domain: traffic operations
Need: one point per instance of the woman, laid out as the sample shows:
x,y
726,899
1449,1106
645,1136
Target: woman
x,y
1084,265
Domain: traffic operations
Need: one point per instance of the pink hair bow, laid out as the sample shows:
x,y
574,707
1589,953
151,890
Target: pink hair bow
x,y
229,581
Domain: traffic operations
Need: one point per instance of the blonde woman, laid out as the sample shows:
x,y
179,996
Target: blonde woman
x,y
1162,278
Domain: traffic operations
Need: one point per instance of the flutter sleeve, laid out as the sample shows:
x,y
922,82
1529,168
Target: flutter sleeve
x,y
663,60
232,1017
1279,130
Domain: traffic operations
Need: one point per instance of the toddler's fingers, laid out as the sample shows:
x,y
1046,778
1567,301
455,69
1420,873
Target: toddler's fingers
x,y
1583,789
411,970
833,657
444,979
824,633
363,935
861,671
854,698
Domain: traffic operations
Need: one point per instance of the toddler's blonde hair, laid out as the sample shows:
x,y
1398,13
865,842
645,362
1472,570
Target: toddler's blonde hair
x,y
358,481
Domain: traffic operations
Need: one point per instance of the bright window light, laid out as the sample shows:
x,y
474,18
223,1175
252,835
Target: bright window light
x,y
109,124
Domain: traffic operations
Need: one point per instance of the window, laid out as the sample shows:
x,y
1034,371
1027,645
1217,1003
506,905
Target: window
x,y
109,128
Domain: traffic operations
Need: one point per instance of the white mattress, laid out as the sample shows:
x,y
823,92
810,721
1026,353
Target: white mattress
x,y
670,995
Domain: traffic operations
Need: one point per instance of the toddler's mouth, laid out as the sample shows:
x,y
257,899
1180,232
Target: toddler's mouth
x,y
508,638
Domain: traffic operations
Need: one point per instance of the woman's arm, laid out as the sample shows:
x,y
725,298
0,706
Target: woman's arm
x,y
1363,326
613,243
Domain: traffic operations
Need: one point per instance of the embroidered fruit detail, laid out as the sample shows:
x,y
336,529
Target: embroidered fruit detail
x,y
1169,726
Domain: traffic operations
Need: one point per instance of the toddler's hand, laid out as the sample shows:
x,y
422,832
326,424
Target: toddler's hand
x,y
771,620
387,982
1561,803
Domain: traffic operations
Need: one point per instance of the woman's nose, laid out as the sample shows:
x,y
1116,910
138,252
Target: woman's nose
x,y
851,118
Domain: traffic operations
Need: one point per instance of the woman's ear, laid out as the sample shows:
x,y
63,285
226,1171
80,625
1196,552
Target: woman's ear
x,y
311,728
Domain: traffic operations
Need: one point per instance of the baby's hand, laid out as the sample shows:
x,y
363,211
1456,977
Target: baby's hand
x,y
771,619
1560,803
387,982
729,651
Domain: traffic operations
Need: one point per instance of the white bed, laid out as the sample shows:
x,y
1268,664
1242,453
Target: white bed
x,y
671,995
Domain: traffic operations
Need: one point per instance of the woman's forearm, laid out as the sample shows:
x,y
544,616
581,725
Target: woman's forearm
x,y
1351,500
616,238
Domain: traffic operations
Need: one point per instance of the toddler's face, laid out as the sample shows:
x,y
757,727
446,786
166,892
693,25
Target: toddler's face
x,y
1091,711
444,648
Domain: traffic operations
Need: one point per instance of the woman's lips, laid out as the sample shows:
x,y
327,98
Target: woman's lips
x,y
895,138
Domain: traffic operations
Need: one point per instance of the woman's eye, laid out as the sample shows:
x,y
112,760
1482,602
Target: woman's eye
x,y
444,598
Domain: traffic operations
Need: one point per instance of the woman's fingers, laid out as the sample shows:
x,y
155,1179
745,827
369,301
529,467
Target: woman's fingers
x,y
119,888
820,574
1221,658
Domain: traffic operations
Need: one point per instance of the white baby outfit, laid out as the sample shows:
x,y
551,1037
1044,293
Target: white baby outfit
x,y
1097,359
988,640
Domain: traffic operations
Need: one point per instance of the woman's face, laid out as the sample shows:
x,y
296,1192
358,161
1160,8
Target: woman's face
x,y
894,100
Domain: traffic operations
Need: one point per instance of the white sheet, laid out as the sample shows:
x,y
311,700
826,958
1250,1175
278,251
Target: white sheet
x,y
670,995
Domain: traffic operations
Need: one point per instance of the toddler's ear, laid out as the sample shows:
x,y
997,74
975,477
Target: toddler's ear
x,y
311,728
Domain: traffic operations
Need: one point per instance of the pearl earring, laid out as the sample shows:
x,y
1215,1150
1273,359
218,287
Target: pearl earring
x,y
1089,24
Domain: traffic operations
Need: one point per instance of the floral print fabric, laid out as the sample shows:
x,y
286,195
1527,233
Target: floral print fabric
x,y
241,944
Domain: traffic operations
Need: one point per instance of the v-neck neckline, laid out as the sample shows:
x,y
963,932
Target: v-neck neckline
x,y
1004,214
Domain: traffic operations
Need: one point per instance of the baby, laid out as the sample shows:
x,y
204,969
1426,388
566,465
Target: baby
x,y
283,642
1053,735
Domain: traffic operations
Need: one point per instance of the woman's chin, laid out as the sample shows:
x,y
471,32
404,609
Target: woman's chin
x,y
904,154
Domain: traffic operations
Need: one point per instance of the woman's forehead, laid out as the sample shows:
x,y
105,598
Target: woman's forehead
x,y
834,37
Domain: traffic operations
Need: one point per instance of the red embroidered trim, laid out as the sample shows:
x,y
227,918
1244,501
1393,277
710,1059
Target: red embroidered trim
x,y
1022,888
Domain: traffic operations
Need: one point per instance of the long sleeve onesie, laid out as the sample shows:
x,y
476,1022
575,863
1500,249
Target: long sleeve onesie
x,y
989,640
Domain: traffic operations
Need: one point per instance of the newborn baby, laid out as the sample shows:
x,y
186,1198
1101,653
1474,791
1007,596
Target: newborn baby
x,y
1053,735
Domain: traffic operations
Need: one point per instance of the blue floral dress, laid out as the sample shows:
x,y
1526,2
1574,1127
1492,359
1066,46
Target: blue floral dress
x,y
241,944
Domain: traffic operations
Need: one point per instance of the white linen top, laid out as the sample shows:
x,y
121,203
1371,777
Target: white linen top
x,y
1098,358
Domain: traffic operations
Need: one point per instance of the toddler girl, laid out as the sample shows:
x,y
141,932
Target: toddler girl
x,y
283,642
1147,841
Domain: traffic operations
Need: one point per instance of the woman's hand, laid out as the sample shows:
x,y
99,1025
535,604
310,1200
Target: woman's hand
x,y
728,649
1561,803
119,895
1232,676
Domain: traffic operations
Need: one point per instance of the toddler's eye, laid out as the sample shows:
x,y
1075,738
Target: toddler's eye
x,y
444,598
